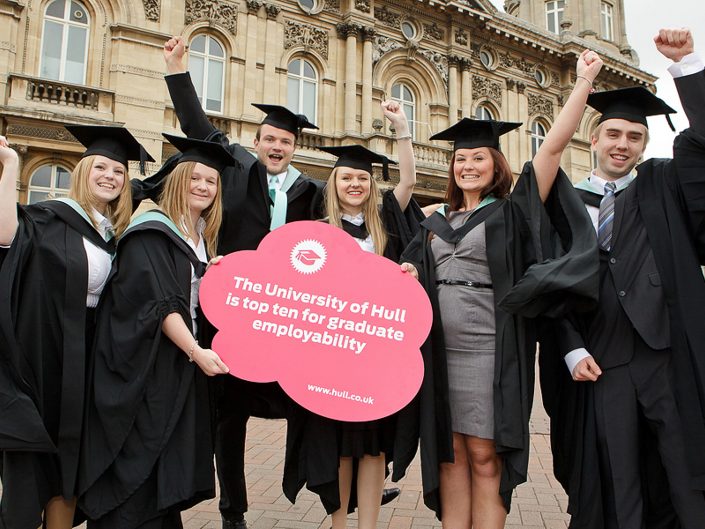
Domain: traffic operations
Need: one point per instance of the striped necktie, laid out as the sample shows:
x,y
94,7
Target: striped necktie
x,y
605,219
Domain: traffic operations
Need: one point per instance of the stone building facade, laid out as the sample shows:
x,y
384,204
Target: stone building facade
x,y
100,62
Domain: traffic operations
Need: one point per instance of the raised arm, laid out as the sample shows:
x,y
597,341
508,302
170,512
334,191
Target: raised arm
x,y
8,200
548,157
407,164
192,118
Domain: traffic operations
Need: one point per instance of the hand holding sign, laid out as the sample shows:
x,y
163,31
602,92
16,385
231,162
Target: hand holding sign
x,y
337,327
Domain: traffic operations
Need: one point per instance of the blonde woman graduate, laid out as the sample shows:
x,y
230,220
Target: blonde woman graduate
x,y
148,438
54,262
495,257
345,462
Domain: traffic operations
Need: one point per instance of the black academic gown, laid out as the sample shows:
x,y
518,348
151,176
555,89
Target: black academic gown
x,y
246,219
542,262
147,446
314,443
43,289
667,199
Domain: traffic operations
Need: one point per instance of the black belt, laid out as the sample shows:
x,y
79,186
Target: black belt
x,y
460,282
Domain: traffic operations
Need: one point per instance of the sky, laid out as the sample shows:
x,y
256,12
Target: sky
x,y
643,19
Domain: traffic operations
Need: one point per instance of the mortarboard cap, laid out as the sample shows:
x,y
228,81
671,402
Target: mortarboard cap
x,y
208,153
473,133
115,143
283,118
358,157
633,104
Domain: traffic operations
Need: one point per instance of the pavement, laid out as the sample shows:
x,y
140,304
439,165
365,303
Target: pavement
x,y
540,503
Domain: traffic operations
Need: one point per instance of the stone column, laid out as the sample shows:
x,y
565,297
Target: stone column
x,y
453,62
249,83
367,36
350,32
270,88
466,90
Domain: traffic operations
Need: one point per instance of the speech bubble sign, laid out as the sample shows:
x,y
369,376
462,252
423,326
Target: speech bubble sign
x,y
339,328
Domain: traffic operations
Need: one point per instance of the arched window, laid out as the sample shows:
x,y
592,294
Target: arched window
x,y
49,181
403,95
206,63
65,42
302,88
554,15
483,112
538,134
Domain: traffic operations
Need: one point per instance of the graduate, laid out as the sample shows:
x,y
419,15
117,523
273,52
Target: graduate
x,y
624,383
54,264
148,448
489,259
345,462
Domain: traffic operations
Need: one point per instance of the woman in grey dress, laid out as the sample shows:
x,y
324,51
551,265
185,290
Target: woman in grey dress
x,y
471,253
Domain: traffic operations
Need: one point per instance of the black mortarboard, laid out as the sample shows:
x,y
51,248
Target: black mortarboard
x,y
633,104
283,118
358,157
115,143
473,133
208,153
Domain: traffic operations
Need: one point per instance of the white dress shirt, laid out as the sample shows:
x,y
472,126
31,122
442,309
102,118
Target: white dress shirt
x,y
200,250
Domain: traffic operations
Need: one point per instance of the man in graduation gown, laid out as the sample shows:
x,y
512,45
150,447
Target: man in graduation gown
x,y
263,193
628,436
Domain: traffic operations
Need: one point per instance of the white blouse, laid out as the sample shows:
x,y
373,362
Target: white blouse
x,y
367,244
99,261
200,250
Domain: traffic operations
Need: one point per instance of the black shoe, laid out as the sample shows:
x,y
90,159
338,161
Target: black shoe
x,y
234,524
387,495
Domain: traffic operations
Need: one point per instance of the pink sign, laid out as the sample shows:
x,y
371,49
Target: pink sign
x,y
339,328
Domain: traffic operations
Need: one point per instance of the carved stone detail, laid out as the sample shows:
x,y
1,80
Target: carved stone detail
x,y
253,6
151,9
511,84
332,6
433,31
368,34
219,11
387,17
272,11
461,37
363,5
310,37
349,29
45,133
382,45
555,78
525,66
483,87
506,60
439,61
520,87
539,104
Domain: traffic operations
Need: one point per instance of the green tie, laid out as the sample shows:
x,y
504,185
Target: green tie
x,y
273,182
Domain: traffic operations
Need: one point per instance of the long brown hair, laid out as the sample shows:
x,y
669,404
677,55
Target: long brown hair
x,y
174,202
373,221
499,188
118,211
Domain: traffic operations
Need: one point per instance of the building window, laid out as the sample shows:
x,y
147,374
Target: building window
x,y
538,134
554,15
49,181
302,88
403,95
606,21
308,5
65,42
409,30
206,63
486,59
483,112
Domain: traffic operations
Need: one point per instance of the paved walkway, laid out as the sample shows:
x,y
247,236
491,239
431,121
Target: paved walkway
x,y
540,503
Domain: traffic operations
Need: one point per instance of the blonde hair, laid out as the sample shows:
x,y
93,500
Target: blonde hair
x,y
174,202
117,211
373,220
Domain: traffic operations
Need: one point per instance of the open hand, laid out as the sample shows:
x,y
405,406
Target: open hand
x,y
674,44
209,361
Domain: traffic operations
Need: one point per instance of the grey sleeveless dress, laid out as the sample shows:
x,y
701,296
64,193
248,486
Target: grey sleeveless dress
x,y
469,329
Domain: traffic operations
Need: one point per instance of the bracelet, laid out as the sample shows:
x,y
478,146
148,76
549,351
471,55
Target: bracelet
x,y
404,137
190,351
